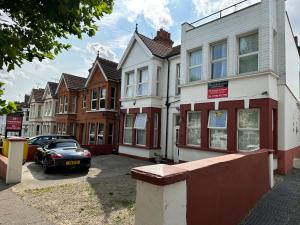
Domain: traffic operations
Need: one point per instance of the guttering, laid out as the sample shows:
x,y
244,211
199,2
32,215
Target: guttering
x,y
168,106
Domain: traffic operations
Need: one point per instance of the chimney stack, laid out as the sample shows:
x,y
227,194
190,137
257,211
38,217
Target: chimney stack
x,y
163,37
296,40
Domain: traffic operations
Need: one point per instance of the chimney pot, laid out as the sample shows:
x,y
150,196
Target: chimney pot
x,y
163,37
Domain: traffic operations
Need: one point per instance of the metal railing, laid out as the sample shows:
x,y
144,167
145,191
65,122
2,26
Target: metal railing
x,y
224,12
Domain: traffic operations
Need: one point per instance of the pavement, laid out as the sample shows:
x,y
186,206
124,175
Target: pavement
x,y
280,206
13,210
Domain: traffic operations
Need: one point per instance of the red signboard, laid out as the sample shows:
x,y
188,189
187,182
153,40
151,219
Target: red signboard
x,y
14,123
217,90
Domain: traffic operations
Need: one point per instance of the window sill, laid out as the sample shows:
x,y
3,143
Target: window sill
x,y
141,97
139,146
206,149
101,110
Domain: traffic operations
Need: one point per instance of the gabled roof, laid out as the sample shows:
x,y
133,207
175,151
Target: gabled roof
x,y
72,82
37,95
108,69
152,47
51,87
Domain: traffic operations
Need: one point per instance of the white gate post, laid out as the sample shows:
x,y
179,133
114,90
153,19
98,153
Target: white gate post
x,y
271,169
161,197
15,160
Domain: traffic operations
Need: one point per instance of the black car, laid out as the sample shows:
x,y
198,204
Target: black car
x,y
63,153
44,139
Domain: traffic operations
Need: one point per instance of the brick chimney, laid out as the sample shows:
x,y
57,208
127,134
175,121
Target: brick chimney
x,y
164,37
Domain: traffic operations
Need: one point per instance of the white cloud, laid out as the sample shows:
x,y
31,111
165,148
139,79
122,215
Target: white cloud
x,y
104,51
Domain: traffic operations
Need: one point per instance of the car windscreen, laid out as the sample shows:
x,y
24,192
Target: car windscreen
x,y
70,144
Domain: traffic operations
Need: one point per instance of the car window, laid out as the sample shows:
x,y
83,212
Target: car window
x,y
65,145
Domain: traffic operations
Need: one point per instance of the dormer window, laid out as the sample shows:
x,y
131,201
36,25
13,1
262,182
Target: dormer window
x,y
129,89
142,82
195,65
248,53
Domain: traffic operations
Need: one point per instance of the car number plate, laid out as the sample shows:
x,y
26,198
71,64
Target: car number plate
x,y
70,163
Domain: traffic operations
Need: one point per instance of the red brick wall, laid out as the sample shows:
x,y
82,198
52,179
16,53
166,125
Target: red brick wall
x,y
221,190
286,159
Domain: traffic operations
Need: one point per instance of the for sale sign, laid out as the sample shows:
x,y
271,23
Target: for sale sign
x,y
14,123
217,90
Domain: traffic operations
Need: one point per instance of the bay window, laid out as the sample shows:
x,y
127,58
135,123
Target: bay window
x,y
110,133
128,126
92,134
113,98
65,104
73,104
142,82
100,134
195,65
102,96
219,60
94,99
155,133
193,128
248,53
129,88
140,126
217,124
248,129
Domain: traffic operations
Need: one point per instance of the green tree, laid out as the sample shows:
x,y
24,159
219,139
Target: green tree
x,y
5,107
36,28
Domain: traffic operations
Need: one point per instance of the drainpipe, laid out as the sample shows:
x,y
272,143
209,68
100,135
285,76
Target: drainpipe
x,y
168,106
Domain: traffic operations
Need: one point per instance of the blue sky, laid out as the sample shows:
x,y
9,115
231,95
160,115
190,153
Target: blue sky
x,y
115,31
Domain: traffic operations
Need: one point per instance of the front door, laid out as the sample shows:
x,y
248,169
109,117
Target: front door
x,y
176,123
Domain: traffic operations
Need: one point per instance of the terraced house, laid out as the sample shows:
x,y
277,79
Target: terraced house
x,y
88,108
234,87
36,103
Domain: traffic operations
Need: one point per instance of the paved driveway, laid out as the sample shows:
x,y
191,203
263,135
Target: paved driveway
x,y
281,206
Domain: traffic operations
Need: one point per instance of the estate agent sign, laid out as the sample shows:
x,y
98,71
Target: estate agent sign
x,y
217,90
14,123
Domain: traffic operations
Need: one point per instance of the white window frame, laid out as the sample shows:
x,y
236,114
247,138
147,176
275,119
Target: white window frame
x,y
155,130
93,99
195,66
213,61
73,104
177,89
90,129
129,85
158,77
139,129
192,127
102,97
248,129
217,128
65,104
128,129
83,101
113,97
140,83
50,108
99,134
248,54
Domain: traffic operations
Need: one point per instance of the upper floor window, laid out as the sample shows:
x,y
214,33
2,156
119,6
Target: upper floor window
x,y
219,60
50,108
248,53
61,104
73,104
94,99
102,96
177,89
195,65
65,104
158,75
142,82
83,101
113,98
46,108
39,111
129,89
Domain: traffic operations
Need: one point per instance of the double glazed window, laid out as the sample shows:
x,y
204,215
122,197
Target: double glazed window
x,y
73,104
129,89
248,53
195,65
92,134
194,128
65,104
140,126
219,60
128,126
83,101
248,129
94,99
100,134
102,96
217,125
113,98
155,133
142,82
158,75
177,89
